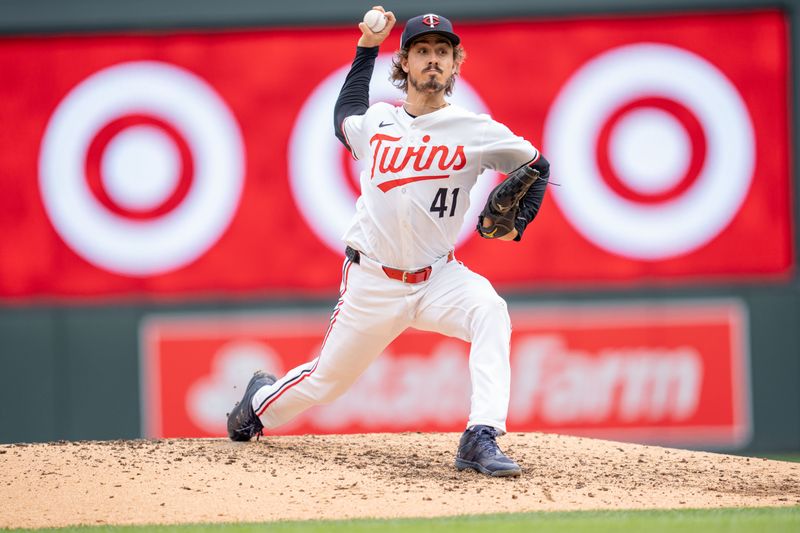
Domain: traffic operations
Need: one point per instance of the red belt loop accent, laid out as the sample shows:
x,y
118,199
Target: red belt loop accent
x,y
416,276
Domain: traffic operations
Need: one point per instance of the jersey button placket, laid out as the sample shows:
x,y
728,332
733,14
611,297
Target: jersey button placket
x,y
404,200
405,227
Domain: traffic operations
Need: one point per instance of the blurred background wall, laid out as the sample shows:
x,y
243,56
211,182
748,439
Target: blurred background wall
x,y
171,194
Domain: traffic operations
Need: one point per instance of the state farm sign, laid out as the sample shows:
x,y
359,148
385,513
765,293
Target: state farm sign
x,y
675,373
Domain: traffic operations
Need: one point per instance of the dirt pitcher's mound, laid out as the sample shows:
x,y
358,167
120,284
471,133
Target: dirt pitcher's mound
x,y
353,476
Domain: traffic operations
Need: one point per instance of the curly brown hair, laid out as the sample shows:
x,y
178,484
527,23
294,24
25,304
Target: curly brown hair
x,y
399,77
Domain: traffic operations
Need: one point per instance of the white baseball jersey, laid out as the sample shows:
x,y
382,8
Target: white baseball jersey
x,y
420,170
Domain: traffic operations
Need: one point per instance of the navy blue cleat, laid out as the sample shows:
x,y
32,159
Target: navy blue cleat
x,y
243,423
478,450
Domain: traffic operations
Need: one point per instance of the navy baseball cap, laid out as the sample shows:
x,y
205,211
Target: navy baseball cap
x,y
425,24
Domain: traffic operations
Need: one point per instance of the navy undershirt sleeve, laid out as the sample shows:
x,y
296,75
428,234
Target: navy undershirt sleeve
x,y
354,96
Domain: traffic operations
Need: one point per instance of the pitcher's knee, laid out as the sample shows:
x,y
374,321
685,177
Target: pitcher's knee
x,y
492,313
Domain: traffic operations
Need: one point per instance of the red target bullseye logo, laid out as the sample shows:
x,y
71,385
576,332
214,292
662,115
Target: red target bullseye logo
x,y
655,149
121,153
141,168
676,182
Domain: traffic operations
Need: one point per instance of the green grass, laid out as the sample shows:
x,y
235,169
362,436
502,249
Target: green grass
x,y
791,457
772,520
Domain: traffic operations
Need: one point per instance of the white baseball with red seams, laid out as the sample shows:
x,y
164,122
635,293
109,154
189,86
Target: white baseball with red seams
x,y
375,20
414,196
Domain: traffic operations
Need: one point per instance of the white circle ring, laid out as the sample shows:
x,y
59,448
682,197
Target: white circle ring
x,y
149,247
603,85
317,175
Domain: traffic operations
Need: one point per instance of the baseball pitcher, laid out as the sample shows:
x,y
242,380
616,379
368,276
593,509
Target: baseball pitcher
x,y
422,158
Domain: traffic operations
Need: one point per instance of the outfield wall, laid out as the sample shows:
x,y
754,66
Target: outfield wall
x,y
679,327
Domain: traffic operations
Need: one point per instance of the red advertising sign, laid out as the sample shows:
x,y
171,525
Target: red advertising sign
x,y
191,163
673,373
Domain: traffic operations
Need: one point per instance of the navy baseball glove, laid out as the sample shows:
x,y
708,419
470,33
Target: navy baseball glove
x,y
503,203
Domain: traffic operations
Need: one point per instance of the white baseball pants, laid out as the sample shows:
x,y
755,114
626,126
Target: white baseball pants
x,y
373,310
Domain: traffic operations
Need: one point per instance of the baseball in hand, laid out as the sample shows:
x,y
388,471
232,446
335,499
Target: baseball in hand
x,y
375,20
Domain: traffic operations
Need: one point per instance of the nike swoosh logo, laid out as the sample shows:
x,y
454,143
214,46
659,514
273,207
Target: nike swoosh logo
x,y
382,125
391,184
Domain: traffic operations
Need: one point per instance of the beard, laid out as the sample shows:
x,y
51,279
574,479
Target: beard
x,y
430,85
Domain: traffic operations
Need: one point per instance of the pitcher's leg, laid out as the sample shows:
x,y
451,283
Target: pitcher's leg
x,y
489,367
344,357
463,304
362,325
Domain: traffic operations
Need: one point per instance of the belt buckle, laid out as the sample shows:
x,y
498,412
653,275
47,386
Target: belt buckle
x,y
405,273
